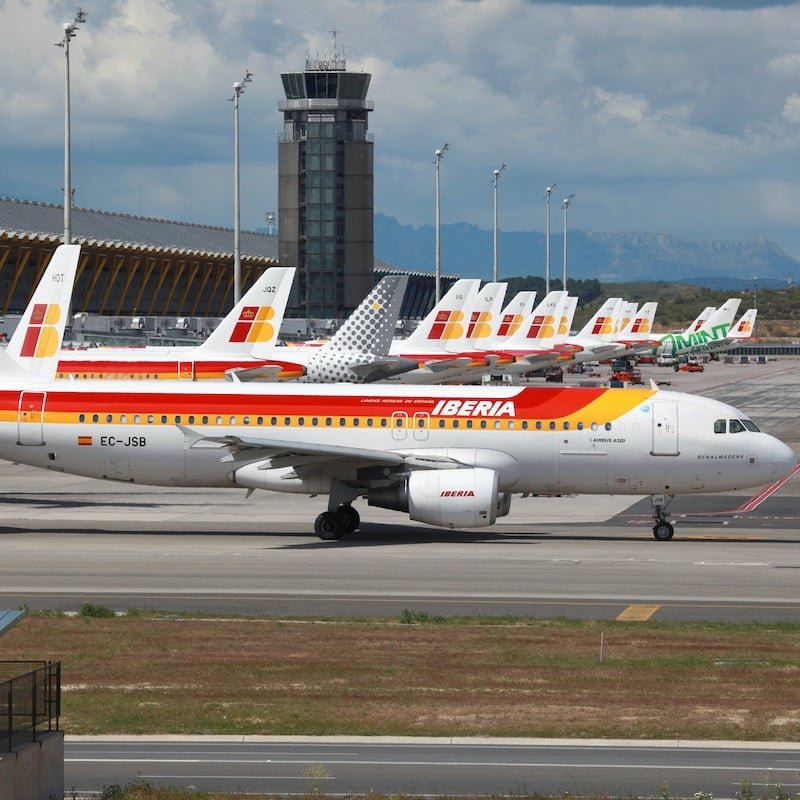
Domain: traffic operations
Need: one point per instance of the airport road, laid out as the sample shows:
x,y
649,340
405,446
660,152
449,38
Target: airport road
x,y
66,540
334,766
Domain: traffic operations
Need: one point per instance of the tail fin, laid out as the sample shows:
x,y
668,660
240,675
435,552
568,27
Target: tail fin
x,y
37,339
718,324
701,320
446,321
480,316
744,328
543,323
359,350
514,314
641,323
255,321
602,323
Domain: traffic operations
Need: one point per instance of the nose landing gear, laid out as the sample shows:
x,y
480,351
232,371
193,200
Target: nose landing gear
x,y
663,530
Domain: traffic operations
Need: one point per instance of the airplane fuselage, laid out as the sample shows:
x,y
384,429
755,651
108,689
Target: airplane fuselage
x,y
538,440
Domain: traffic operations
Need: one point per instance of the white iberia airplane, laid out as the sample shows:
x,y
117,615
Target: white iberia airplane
x,y
450,456
255,320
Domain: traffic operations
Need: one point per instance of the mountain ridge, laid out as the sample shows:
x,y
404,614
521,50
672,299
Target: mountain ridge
x,y
467,250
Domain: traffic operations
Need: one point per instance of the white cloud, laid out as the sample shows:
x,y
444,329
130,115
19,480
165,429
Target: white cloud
x,y
651,114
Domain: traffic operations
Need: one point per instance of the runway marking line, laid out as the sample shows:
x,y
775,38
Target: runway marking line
x,y
637,613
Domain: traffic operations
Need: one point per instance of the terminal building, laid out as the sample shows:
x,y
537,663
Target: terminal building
x,y
161,273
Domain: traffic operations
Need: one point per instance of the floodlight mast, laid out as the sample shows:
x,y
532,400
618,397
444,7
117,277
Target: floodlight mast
x,y
496,178
70,30
566,204
238,90
548,192
437,157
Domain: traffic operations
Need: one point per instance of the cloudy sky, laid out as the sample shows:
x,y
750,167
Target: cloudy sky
x,y
678,117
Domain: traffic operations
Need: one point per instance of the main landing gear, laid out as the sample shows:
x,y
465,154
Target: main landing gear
x,y
663,529
332,525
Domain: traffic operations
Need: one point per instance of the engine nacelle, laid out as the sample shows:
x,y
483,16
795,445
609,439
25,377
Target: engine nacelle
x,y
450,498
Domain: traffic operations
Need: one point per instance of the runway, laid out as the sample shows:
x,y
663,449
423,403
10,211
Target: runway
x,y
336,765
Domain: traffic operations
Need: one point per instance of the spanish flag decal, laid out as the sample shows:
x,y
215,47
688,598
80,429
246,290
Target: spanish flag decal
x,y
84,440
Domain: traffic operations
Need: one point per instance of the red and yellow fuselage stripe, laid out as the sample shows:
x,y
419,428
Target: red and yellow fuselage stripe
x,y
563,406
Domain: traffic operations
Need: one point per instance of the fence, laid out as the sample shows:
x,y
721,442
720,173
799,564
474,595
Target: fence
x,y
30,700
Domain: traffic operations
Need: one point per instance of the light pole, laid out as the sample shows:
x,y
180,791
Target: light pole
x,y
496,175
238,90
567,201
548,192
755,302
70,29
270,217
437,157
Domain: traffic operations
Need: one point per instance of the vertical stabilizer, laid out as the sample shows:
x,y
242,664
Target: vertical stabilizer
x,y
359,350
480,317
252,327
446,322
37,339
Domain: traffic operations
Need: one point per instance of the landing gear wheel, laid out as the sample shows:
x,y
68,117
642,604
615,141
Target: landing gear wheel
x,y
330,526
350,516
663,531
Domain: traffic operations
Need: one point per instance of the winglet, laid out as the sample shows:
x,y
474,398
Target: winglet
x,y
36,342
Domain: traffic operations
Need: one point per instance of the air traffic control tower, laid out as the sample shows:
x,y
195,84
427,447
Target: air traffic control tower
x,y
325,188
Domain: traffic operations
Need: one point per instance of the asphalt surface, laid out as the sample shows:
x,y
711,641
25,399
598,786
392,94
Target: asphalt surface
x,y
339,766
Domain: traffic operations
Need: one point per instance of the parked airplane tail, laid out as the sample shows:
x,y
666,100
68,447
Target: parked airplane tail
x,y
255,321
37,339
746,325
446,322
359,350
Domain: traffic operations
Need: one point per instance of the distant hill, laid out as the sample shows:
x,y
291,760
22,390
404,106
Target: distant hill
x,y
466,250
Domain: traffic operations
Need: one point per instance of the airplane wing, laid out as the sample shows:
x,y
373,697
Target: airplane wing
x,y
279,453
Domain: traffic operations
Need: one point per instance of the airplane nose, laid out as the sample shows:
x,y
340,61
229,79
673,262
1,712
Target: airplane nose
x,y
784,459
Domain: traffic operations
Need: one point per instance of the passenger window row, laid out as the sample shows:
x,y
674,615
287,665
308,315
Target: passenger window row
x,y
336,422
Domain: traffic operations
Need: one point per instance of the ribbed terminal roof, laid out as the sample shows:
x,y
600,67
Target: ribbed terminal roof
x,y
22,218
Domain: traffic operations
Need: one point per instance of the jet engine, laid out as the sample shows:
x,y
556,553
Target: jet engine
x,y
450,498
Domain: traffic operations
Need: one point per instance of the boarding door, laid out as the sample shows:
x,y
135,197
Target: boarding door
x,y
665,428
30,419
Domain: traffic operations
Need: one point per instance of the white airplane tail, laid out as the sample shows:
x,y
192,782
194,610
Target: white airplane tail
x,y
446,322
542,324
37,339
719,323
514,314
601,325
701,320
640,325
480,317
359,350
255,321
746,325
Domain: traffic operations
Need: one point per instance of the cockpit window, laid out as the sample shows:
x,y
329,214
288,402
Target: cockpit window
x,y
750,425
736,426
720,426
